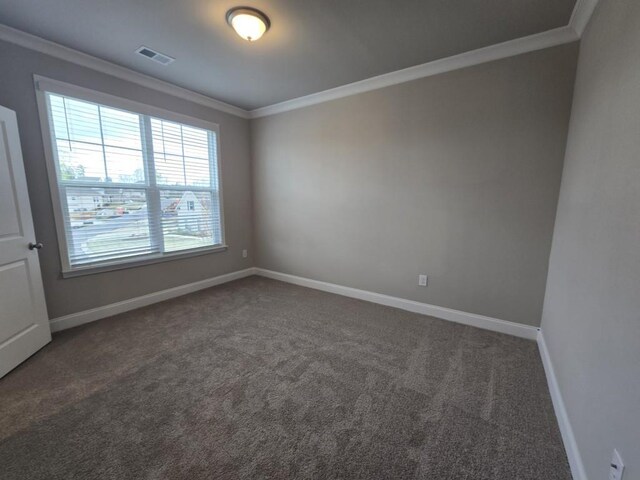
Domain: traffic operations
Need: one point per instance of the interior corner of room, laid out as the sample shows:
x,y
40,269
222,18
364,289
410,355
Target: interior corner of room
x,y
320,241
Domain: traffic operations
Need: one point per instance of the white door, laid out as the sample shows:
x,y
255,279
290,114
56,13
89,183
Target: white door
x,y
24,324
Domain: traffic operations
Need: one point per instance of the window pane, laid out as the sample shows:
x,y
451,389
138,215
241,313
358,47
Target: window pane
x,y
169,169
57,111
106,223
82,119
120,129
196,143
96,143
167,137
182,154
124,165
187,220
80,161
197,171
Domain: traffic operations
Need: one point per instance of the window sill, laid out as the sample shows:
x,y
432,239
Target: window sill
x,y
149,260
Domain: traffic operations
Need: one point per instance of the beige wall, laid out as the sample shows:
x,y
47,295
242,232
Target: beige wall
x,y
66,296
591,319
455,176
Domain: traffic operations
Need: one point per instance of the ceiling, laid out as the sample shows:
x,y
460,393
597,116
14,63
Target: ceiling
x,y
313,45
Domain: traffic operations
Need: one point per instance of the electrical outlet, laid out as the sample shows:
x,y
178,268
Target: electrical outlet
x,y
422,280
616,469
244,254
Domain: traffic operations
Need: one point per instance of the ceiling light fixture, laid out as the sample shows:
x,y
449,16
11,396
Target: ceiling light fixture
x,y
248,22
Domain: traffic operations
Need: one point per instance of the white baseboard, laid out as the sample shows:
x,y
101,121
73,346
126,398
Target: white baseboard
x,y
472,319
86,316
571,447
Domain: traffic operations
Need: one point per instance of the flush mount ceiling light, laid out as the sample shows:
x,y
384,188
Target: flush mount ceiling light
x,y
248,22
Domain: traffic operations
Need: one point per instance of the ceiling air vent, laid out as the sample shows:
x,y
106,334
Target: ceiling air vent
x,y
155,56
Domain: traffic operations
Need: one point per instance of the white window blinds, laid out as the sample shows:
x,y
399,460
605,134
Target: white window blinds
x,y
131,185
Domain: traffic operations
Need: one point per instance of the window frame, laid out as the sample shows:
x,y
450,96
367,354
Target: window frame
x,y
45,85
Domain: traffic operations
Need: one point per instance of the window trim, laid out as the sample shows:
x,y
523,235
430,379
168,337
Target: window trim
x,y
45,85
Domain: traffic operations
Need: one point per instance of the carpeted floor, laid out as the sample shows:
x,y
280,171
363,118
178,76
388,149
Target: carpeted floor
x,y
261,379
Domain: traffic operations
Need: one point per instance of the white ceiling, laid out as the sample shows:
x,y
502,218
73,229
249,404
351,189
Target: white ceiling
x,y
313,45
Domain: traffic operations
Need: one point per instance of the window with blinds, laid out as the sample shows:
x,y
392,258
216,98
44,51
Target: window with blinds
x,y
131,186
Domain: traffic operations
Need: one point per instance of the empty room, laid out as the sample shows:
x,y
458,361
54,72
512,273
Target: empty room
x,y
320,239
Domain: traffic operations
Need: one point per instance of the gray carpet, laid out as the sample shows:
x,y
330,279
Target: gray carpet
x,y
261,379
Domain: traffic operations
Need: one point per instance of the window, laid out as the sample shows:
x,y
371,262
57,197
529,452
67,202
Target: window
x,y
130,185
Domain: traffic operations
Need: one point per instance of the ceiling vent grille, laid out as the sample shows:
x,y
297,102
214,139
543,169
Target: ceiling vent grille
x,y
161,58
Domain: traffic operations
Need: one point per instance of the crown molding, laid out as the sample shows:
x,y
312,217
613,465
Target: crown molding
x,y
581,15
572,32
53,49
550,38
